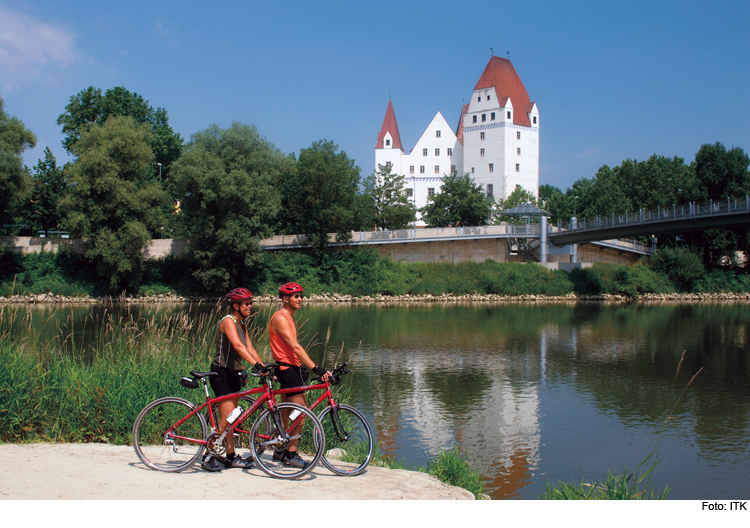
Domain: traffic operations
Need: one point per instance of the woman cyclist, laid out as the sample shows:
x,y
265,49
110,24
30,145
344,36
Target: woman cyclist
x,y
232,346
290,355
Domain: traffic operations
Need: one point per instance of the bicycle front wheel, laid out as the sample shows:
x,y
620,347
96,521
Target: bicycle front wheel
x,y
349,441
270,442
165,438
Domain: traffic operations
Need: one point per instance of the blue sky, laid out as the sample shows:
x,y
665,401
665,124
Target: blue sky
x,y
612,79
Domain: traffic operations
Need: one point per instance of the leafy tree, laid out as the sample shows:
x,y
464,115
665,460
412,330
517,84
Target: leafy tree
x,y
517,197
47,188
320,195
388,205
460,202
681,266
720,173
15,138
89,106
112,202
227,183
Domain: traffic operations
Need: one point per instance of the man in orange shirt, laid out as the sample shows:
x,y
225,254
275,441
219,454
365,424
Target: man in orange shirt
x,y
290,355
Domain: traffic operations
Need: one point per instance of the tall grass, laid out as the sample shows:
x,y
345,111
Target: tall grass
x,y
637,485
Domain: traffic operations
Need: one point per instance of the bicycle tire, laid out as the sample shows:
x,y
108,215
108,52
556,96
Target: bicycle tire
x,y
154,429
347,457
268,439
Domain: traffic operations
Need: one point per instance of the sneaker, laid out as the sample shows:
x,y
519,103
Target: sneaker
x,y
296,461
239,462
210,464
278,456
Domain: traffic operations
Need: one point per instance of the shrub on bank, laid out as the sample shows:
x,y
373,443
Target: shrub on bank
x,y
618,280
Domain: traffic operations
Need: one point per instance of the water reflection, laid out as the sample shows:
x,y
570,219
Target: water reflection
x,y
531,393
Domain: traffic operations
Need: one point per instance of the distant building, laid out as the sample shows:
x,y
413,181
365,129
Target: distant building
x,y
496,140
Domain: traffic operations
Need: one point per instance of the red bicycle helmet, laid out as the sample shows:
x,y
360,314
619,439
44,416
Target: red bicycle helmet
x,y
239,295
290,288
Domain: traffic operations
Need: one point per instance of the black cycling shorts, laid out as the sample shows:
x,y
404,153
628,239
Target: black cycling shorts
x,y
227,382
290,377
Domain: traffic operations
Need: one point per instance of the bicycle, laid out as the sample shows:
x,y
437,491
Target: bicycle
x,y
348,436
349,440
171,434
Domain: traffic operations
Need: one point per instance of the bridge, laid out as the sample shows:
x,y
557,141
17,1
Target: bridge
x,y
602,230
683,218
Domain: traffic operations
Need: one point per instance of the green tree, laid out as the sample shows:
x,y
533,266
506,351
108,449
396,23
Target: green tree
x,y
89,107
460,202
517,197
227,181
15,138
112,202
48,187
720,173
388,207
321,195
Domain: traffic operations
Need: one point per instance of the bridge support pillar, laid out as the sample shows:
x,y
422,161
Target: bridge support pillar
x,y
574,247
543,241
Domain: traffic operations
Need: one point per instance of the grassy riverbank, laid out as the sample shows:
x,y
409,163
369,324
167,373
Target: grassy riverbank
x,y
48,396
362,272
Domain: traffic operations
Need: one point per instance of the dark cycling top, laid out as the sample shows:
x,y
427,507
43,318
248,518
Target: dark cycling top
x,y
226,355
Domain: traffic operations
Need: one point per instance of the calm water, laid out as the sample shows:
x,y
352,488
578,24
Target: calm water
x,y
535,393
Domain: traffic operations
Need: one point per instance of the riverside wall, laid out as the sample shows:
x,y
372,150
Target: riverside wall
x,y
477,250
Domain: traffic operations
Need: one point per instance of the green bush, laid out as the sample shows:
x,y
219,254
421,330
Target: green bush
x,y
681,266
617,279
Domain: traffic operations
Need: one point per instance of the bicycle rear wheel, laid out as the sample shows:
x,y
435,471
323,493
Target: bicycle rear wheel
x,y
268,439
349,442
163,441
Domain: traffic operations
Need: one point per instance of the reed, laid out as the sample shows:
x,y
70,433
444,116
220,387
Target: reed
x,y
637,485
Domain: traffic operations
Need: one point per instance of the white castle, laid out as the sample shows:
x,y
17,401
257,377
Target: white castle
x,y
496,141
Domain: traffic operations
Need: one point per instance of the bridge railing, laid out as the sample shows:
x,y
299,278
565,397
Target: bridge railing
x,y
660,214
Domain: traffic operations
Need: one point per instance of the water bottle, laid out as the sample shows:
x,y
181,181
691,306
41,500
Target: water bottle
x,y
294,414
234,414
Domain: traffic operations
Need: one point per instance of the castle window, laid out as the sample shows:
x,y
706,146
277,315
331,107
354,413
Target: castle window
x,y
481,136
489,189
518,135
388,165
409,193
421,169
437,169
481,152
475,119
450,152
484,117
430,191
411,169
437,133
424,152
535,120
492,116
518,151
488,97
518,167
437,151
387,142
492,167
508,115
472,170
479,99
453,169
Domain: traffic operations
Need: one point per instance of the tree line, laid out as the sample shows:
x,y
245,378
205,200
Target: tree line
x,y
132,178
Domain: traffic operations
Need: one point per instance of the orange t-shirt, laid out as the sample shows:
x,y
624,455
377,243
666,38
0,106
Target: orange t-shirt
x,y
280,350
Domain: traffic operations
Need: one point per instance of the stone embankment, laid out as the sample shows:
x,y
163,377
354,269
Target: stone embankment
x,y
391,299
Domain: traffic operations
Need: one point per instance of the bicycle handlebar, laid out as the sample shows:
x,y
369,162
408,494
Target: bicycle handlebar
x,y
335,377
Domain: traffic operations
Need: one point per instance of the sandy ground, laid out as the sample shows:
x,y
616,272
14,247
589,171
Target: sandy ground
x,y
100,471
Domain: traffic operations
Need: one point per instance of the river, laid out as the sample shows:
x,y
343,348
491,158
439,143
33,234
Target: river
x,y
530,393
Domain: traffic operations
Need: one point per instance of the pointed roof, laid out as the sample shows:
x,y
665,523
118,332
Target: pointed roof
x,y
501,75
525,209
460,127
389,125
